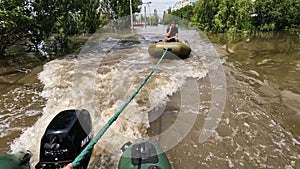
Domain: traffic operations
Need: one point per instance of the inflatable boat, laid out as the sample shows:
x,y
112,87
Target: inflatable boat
x,y
143,154
178,49
19,160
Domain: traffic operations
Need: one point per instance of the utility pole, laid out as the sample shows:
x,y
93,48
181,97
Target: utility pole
x,y
145,16
131,16
148,3
149,12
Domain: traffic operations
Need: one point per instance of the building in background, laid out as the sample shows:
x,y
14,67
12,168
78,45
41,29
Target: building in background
x,y
181,4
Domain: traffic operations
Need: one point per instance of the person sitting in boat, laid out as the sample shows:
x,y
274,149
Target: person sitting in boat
x,y
172,33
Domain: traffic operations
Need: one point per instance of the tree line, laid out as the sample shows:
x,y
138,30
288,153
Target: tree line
x,y
34,21
241,15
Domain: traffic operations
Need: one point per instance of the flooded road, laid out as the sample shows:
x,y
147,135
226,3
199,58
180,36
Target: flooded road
x,y
232,106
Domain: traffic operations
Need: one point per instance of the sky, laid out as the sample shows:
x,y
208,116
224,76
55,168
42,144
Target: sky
x,y
159,5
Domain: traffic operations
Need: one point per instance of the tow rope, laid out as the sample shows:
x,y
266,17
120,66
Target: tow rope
x,y
91,145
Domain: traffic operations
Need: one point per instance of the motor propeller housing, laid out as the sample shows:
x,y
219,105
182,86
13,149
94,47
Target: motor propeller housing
x,y
65,137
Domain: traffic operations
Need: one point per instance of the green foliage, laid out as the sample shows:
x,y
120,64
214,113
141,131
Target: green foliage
x,y
276,14
62,19
14,22
184,13
56,20
167,18
38,20
181,17
245,15
121,8
204,13
182,23
154,18
223,15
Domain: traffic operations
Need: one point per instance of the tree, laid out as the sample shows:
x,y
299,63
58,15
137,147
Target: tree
x,y
64,18
223,15
276,14
184,13
168,17
245,15
120,8
233,16
155,18
204,13
15,22
37,20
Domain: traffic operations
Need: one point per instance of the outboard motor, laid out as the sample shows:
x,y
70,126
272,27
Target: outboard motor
x,y
65,137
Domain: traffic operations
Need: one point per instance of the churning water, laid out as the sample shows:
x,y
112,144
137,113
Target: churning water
x,y
187,97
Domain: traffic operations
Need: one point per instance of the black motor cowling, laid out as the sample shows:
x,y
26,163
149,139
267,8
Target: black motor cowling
x,y
65,137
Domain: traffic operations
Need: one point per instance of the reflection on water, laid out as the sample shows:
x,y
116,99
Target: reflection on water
x,y
271,64
259,127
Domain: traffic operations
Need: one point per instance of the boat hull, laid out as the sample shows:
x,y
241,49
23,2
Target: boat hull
x,y
176,49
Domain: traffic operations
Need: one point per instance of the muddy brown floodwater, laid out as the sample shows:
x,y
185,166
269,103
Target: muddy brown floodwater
x,y
259,126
